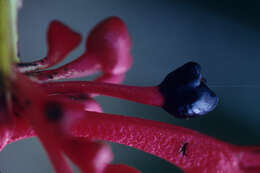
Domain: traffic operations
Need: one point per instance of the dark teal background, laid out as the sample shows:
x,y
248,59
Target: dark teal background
x,y
223,36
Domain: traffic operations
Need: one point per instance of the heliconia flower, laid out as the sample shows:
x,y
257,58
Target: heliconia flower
x,y
69,122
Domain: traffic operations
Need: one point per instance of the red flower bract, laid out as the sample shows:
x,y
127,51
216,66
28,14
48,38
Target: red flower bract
x,y
68,121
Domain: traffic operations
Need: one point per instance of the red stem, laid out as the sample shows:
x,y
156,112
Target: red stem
x,y
145,95
189,150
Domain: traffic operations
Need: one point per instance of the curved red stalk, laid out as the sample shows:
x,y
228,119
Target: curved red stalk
x,y
189,150
61,40
145,95
181,93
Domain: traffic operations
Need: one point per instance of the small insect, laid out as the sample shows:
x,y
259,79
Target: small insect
x,y
183,149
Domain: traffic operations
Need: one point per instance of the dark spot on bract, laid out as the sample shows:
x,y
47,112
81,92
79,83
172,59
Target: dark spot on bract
x,y
49,76
53,111
14,98
27,102
18,106
80,97
54,73
16,114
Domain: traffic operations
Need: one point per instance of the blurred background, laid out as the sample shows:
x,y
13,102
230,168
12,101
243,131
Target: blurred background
x,y
223,36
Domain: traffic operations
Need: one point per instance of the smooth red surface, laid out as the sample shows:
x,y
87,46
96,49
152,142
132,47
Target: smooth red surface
x,y
145,95
61,41
110,42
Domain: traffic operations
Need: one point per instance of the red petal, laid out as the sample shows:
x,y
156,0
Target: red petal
x,y
61,41
110,42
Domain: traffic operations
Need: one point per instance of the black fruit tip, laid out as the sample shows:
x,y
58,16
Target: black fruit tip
x,y
186,93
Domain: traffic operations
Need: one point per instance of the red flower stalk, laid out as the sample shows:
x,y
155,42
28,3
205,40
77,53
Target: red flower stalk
x,y
68,121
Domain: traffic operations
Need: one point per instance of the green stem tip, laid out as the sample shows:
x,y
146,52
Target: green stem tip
x,y
8,35
8,39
